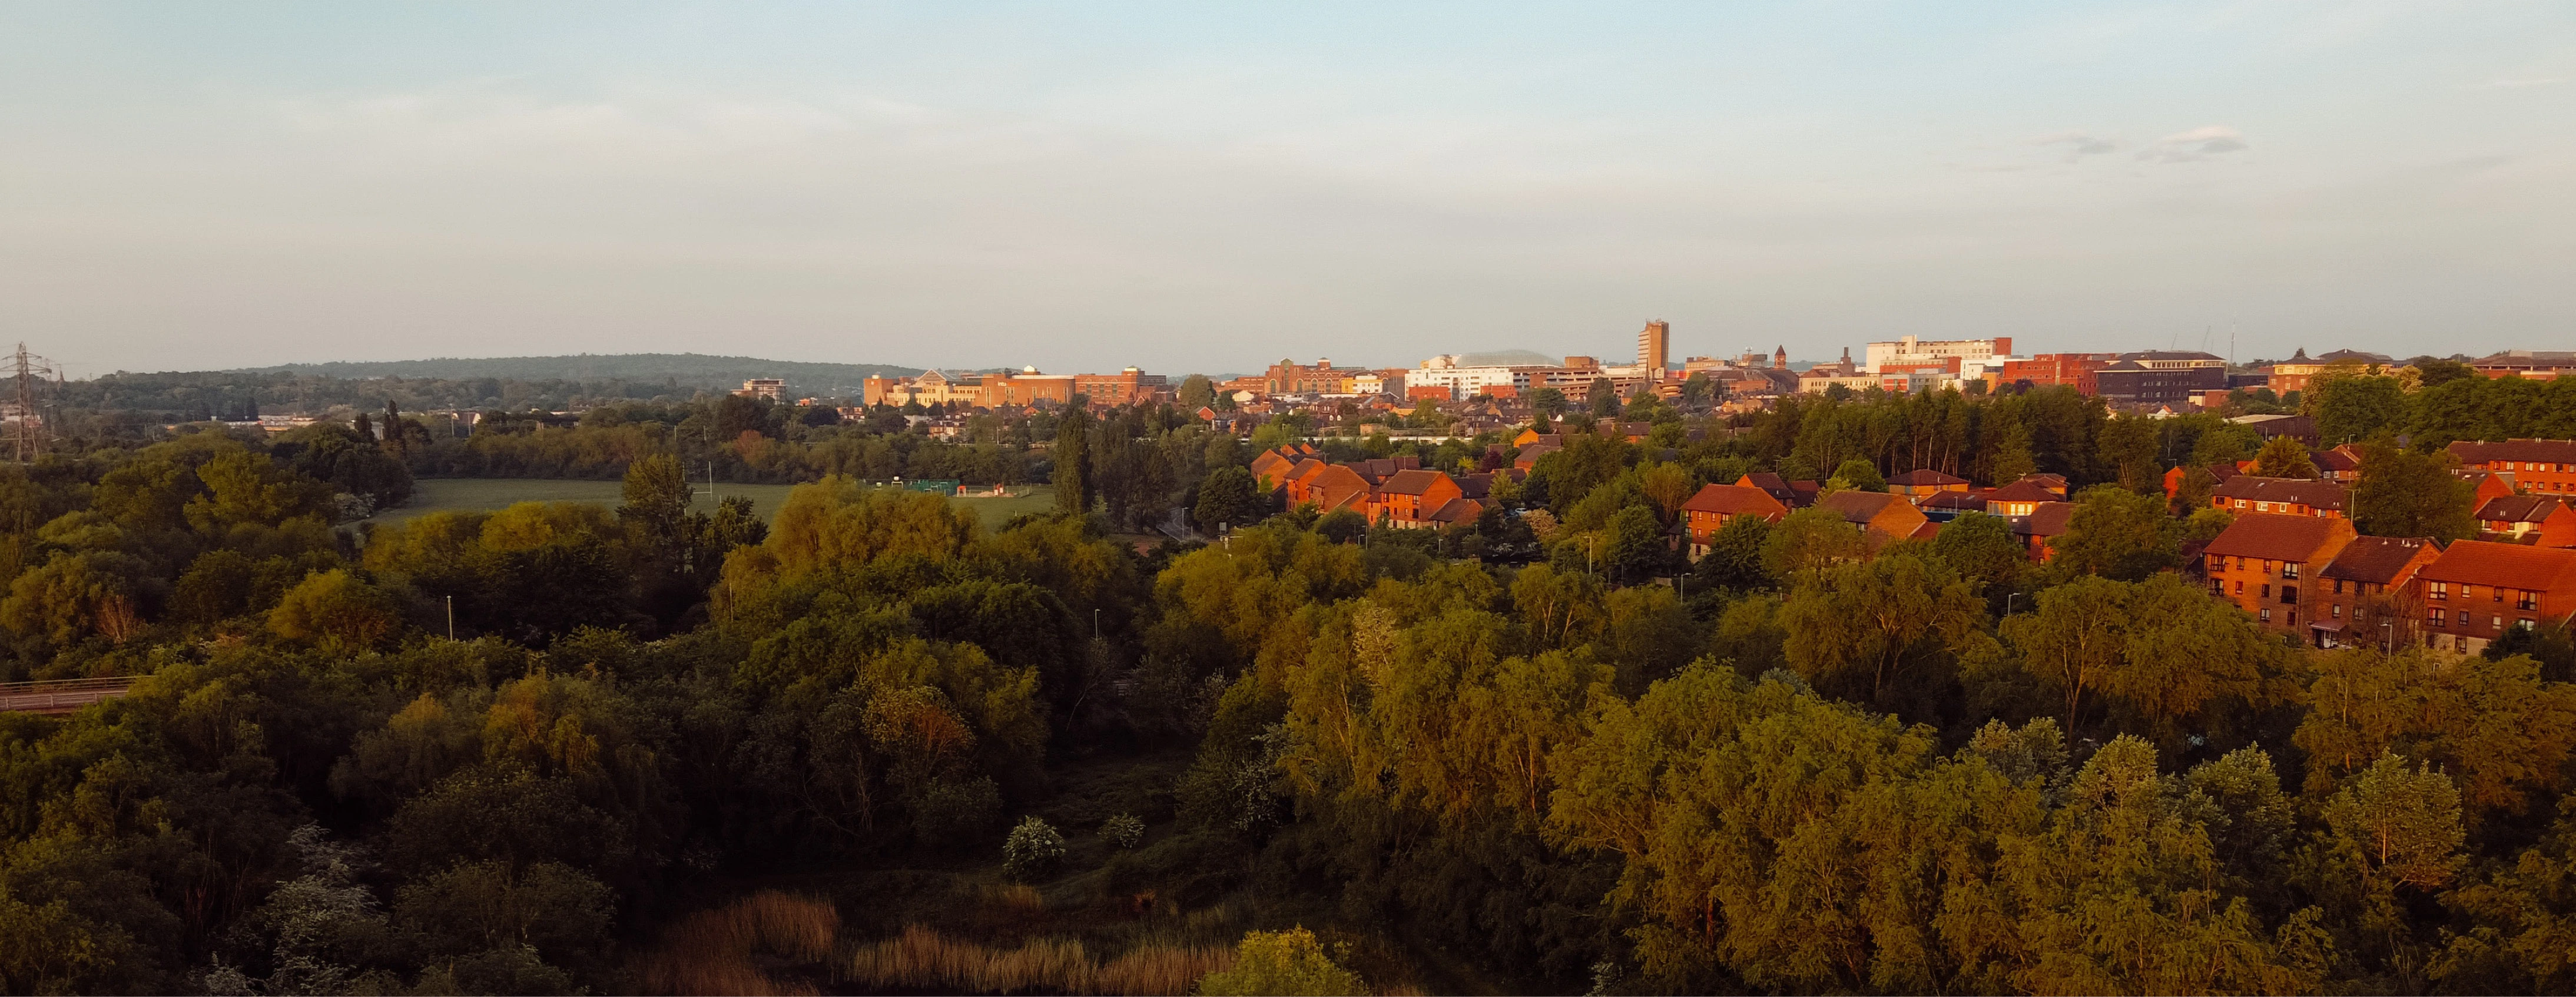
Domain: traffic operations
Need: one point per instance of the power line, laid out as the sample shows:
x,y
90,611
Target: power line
x,y
28,429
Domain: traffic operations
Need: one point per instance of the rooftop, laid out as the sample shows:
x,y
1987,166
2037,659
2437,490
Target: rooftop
x,y
2277,537
2376,560
2479,562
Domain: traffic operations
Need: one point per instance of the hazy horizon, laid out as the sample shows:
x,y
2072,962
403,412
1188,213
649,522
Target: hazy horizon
x,y
1200,188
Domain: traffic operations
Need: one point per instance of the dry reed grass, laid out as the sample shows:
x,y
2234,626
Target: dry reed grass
x,y
710,952
922,959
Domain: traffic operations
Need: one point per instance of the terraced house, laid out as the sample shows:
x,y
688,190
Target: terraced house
x,y
2542,467
2479,589
2264,560
2362,599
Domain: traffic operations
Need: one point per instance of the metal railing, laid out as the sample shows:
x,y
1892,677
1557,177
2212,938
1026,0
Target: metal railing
x,y
59,695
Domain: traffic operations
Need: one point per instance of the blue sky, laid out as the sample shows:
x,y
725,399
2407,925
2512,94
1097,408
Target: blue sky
x,y
1205,187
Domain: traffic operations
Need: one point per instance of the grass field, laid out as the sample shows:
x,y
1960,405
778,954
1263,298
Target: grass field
x,y
488,494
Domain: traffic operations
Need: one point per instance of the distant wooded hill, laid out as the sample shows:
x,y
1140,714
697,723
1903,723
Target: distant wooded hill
x,y
511,383
692,370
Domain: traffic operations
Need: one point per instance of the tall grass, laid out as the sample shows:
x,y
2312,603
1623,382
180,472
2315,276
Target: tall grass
x,y
710,952
922,959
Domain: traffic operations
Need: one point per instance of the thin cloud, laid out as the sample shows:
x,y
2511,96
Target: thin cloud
x,y
2080,144
2196,144
2517,84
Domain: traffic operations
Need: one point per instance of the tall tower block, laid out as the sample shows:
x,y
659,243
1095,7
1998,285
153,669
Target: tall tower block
x,y
1653,345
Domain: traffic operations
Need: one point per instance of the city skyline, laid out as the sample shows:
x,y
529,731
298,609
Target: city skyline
x,y
1203,189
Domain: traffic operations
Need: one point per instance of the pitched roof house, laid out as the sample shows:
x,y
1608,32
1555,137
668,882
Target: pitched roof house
x,y
1794,494
1710,509
2359,600
1411,497
2044,522
1881,516
2541,520
2478,589
2020,498
1923,481
2543,467
2288,496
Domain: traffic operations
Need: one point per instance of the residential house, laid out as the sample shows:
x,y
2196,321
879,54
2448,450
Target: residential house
x,y
2489,485
2246,493
2477,589
1943,507
2021,498
2044,522
2540,467
2341,464
1794,494
1409,497
1879,515
2360,600
2261,561
2180,475
1924,482
2540,520
1709,511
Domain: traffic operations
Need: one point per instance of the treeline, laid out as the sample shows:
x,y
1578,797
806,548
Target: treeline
x,y
1798,764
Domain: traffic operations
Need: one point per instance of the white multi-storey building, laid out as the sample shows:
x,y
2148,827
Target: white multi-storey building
x,y
1954,355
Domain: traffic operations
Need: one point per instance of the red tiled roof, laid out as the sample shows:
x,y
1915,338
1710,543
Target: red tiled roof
x,y
1459,510
2276,537
2376,560
2046,519
1412,481
2518,508
1858,506
1927,531
1733,499
2024,490
2317,494
1924,476
2479,562
1965,501
2540,451
2333,460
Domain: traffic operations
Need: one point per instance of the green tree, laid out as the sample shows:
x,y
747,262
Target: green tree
x,y
2154,655
1604,399
1876,618
2399,825
1856,473
1983,550
2403,493
656,498
1195,392
2284,457
337,612
1230,495
1735,556
1072,454
2355,407
2127,446
1281,962
1808,540
2115,533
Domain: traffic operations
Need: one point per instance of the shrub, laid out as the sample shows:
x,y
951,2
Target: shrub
x,y
1124,831
1033,848
951,812
1281,962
